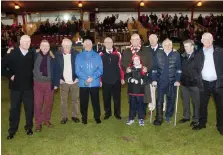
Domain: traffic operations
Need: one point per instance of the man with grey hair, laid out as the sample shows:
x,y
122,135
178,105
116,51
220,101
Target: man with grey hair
x,y
211,68
112,78
190,84
166,76
19,64
89,68
68,80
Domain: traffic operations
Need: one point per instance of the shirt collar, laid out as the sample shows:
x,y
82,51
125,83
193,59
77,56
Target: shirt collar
x,y
108,51
208,50
154,48
23,51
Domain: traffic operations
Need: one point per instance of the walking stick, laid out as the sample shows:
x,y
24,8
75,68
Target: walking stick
x,y
175,121
153,101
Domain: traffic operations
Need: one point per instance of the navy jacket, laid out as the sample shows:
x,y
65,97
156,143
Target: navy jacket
x,y
60,66
166,68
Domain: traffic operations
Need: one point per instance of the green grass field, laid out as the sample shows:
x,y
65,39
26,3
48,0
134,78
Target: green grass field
x,y
112,137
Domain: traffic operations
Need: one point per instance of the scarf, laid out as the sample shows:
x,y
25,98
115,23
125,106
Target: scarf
x,y
135,49
43,65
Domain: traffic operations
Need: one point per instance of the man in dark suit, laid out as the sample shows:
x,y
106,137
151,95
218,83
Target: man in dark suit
x,y
211,68
191,82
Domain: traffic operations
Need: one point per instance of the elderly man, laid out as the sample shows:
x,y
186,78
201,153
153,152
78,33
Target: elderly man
x,y
89,68
112,78
45,75
154,48
166,76
146,57
211,67
190,82
68,80
19,64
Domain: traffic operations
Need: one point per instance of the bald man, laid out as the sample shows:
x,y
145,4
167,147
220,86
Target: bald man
x,y
146,57
154,47
211,68
19,64
112,78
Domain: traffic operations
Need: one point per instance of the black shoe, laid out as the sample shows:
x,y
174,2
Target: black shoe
x,y
157,122
198,127
64,121
118,117
29,132
221,132
193,124
75,119
107,117
10,136
84,121
98,121
184,120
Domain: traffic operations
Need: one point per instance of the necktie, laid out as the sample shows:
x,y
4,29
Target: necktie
x,y
135,49
188,56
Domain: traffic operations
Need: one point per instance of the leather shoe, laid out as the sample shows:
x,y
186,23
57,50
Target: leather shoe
x,y
64,121
48,124
107,117
118,117
98,121
198,127
84,122
184,120
29,132
157,122
38,128
10,136
194,124
75,119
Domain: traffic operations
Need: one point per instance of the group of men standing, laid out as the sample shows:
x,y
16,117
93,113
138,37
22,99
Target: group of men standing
x,y
35,74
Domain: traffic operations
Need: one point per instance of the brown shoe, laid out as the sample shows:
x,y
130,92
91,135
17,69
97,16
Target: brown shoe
x,y
38,128
48,124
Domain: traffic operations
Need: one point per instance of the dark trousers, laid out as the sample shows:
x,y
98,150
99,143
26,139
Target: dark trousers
x,y
194,94
136,105
112,90
84,99
17,97
209,89
170,90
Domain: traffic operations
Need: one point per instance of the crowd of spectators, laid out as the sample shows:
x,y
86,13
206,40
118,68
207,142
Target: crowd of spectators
x,y
10,35
109,24
179,28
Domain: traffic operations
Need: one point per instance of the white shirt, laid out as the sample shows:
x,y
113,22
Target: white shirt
x,y
208,71
67,71
154,48
167,53
24,52
108,51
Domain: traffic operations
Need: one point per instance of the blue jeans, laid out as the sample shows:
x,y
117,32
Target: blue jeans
x,y
170,90
136,104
